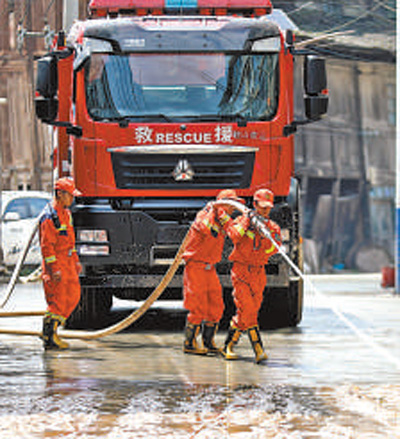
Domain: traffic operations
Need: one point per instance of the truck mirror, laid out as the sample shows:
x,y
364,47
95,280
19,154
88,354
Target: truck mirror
x,y
46,109
289,37
47,77
46,103
315,86
316,106
314,75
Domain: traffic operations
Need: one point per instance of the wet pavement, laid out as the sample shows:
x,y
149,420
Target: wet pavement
x,y
335,376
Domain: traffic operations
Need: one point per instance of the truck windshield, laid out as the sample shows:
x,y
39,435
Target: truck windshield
x,y
182,86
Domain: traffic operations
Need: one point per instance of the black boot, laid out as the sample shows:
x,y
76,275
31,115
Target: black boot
x,y
256,343
49,334
209,331
190,345
230,342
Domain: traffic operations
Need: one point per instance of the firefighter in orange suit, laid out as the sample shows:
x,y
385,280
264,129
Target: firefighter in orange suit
x,y
202,289
249,256
61,266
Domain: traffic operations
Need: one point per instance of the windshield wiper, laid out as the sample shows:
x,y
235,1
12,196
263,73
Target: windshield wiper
x,y
204,117
124,120
242,121
157,116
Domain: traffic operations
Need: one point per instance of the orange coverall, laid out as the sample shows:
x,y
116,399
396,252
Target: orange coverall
x,y
250,253
57,241
202,291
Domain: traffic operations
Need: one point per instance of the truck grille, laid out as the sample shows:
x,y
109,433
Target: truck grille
x,y
158,168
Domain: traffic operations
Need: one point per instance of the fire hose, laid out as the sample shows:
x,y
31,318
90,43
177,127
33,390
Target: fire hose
x,y
257,222
18,266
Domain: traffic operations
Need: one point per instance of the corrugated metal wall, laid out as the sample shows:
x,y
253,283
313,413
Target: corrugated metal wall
x,y
347,167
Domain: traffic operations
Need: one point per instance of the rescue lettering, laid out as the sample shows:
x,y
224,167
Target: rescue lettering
x,y
174,138
221,134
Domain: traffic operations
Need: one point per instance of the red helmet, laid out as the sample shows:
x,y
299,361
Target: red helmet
x,y
264,197
66,184
229,194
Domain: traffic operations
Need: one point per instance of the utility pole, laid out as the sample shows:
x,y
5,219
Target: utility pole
x,y
363,183
37,156
397,231
3,101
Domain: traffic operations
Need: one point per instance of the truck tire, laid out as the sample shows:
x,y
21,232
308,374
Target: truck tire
x,y
282,307
92,310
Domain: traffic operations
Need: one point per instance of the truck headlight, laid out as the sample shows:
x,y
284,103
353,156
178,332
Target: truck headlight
x,y
89,240
93,250
92,235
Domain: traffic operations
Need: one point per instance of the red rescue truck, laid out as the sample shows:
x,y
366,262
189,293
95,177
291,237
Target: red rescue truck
x,y
160,104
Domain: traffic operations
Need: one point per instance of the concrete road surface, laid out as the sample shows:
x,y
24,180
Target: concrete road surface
x,y
335,376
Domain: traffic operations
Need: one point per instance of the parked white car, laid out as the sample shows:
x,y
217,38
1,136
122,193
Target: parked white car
x,y
19,211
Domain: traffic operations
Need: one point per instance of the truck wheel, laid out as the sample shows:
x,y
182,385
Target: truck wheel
x,y
92,310
282,307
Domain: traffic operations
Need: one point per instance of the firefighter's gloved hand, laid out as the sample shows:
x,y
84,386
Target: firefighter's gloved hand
x,y
211,205
222,215
258,222
253,217
251,214
56,276
220,212
46,278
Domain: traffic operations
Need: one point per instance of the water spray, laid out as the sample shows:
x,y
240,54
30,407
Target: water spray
x,y
260,225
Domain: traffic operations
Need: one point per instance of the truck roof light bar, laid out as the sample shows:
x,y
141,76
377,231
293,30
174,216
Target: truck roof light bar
x,y
103,8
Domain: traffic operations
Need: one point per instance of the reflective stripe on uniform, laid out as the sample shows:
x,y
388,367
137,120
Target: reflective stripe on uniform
x,y
250,234
50,259
243,232
210,225
240,229
57,317
270,249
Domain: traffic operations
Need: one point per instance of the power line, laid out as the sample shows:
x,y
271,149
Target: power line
x,y
377,4
368,12
48,8
300,8
27,5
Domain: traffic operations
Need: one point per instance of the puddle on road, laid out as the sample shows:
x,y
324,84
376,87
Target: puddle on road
x,y
152,410
49,406
142,386
106,389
